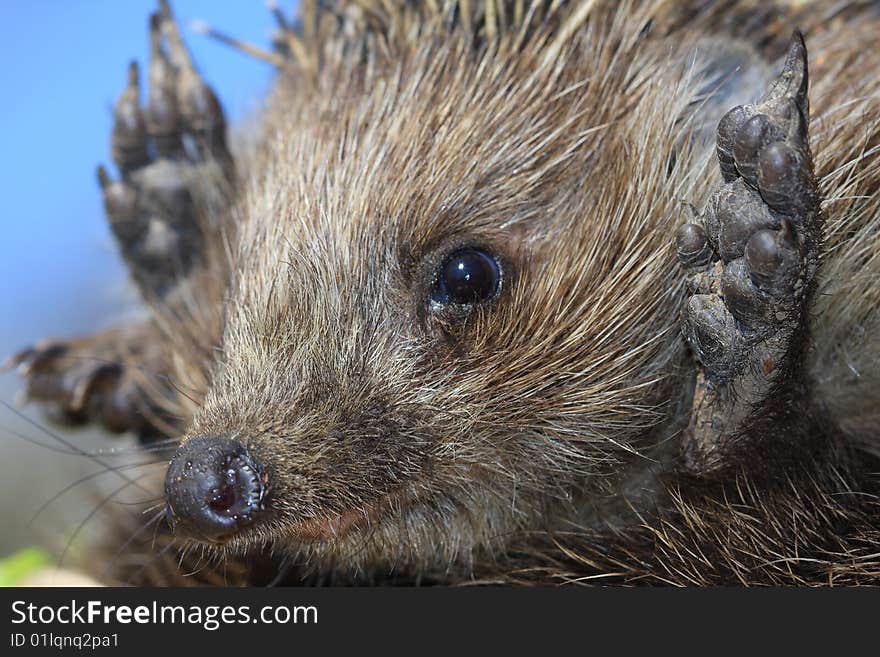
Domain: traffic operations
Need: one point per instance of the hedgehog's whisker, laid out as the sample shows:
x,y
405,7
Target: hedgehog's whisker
x,y
92,514
153,520
42,445
156,557
84,479
283,569
155,500
155,446
199,566
70,445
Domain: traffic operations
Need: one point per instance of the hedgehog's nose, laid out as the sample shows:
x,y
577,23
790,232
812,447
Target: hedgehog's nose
x,y
213,489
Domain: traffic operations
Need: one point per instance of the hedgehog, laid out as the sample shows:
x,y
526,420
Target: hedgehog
x,y
500,292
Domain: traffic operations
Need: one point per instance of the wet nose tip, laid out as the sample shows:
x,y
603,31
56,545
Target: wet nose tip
x,y
213,489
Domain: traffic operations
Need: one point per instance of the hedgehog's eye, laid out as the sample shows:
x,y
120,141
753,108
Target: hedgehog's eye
x,y
467,276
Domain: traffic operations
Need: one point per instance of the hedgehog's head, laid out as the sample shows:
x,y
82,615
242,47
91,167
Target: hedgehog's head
x,y
454,313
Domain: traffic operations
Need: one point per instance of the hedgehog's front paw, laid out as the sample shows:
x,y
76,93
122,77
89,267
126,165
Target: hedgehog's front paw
x,y
173,162
751,261
91,379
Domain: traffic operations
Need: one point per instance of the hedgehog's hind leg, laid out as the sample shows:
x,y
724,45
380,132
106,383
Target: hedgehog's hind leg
x,y
751,261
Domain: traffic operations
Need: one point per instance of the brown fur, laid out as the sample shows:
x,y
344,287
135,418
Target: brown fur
x,y
538,439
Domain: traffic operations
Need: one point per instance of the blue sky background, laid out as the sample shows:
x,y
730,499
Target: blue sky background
x,y
64,63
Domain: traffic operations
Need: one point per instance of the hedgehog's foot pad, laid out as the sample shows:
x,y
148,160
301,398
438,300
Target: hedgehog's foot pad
x,y
99,378
751,260
169,154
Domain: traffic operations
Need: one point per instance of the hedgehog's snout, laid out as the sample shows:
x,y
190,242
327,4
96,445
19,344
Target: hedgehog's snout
x,y
213,489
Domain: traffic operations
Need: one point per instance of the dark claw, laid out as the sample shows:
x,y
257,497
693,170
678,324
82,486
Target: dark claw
x,y
793,82
203,116
89,381
16,359
53,373
199,107
35,359
129,137
797,127
163,114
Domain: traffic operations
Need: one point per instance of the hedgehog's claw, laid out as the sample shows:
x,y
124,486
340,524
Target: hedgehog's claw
x,y
177,139
786,102
87,380
129,137
200,109
752,260
163,112
171,157
794,80
65,379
